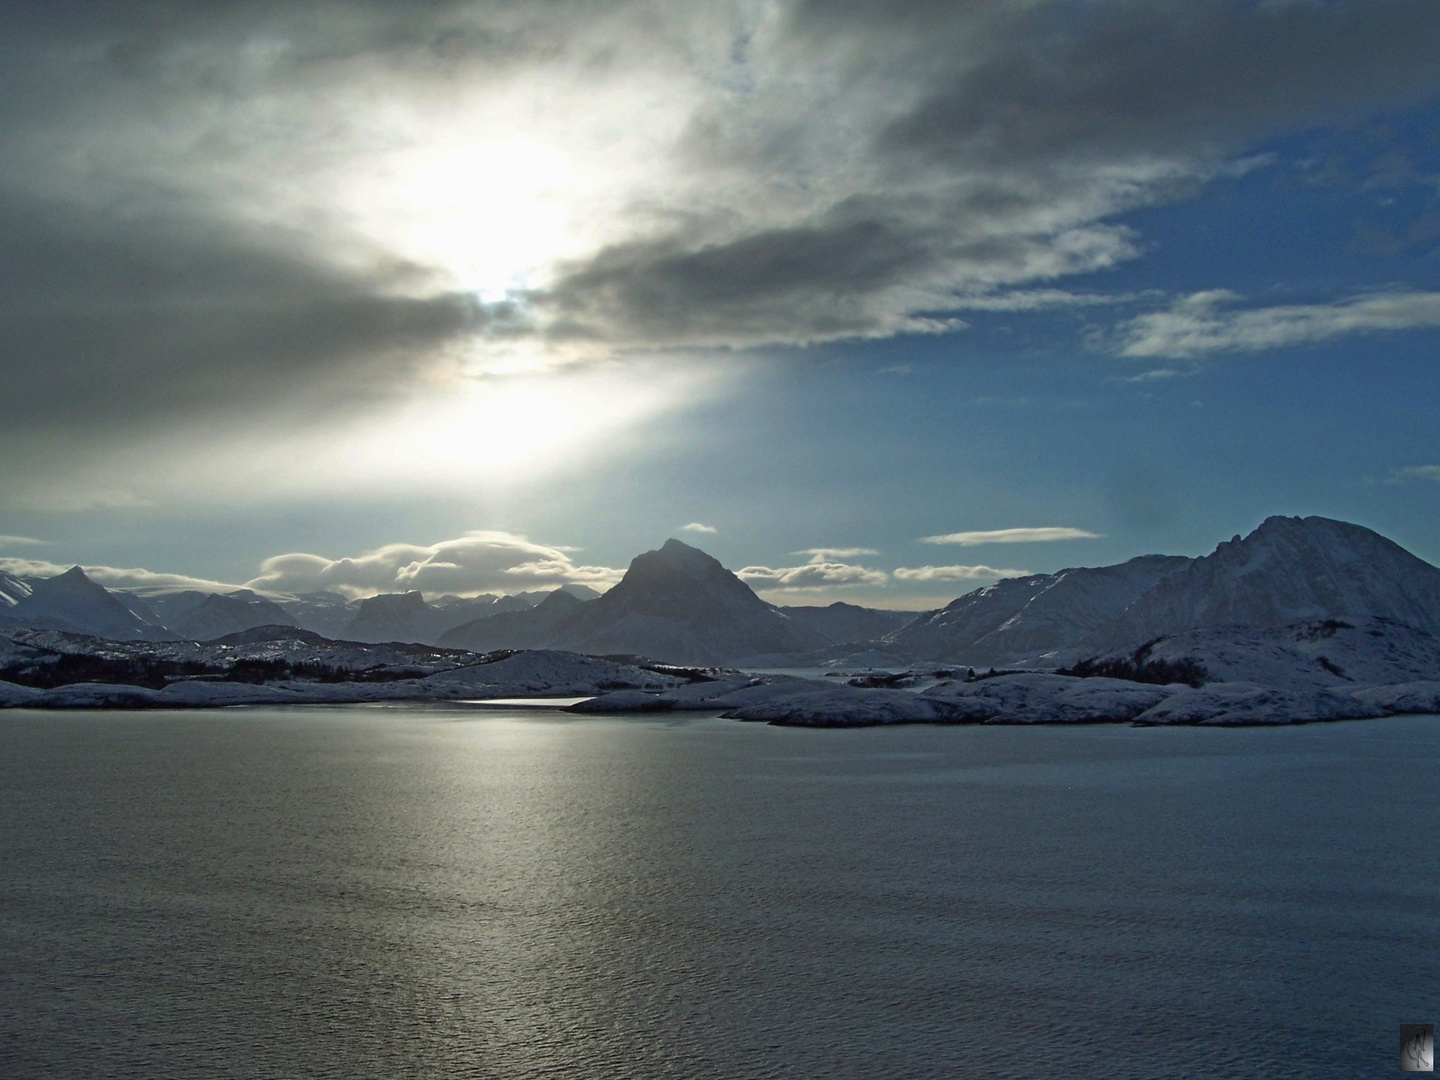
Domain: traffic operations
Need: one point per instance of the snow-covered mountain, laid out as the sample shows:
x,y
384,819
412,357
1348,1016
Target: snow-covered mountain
x,y
326,613
522,629
408,617
74,603
70,602
1289,568
840,623
679,605
392,617
1025,617
204,616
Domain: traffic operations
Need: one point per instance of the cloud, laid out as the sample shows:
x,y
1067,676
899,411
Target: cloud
x,y
1051,82
20,540
474,563
1201,323
1415,472
280,214
1011,536
954,573
1037,300
133,579
819,573
696,527
880,164
837,553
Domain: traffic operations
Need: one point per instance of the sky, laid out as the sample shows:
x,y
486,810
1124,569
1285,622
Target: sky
x,y
875,302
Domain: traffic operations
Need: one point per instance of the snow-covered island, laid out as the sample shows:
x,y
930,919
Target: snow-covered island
x,y
1303,620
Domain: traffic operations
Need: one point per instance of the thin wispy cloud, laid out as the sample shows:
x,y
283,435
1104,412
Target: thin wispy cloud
x,y
1038,300
1207,322
955,573
1011,536
20,540
837,552
697,527
1415,472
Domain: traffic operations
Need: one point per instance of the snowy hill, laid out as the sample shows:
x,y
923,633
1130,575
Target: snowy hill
x,y
1025,617
679,605
283,665
1330,653
1287,569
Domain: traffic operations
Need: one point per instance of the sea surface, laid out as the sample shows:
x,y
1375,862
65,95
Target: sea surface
x,y
450,892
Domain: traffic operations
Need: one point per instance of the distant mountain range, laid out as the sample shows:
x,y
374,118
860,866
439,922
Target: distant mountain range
x,y
679,605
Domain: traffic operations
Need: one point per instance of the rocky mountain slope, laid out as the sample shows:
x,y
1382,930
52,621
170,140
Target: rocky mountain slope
x,y
523,629
840,622
1025,617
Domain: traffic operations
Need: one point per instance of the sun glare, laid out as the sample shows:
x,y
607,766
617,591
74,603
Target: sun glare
x,y
490,211
499,188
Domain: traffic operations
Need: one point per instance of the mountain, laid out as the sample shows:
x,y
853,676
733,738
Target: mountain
x,y
407,617
205,616
841,623
679,605
1029,616
522,629
394,617
1289,568
327,613
70,602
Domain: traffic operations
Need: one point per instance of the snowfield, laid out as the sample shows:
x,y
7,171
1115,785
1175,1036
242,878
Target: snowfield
x,y
1299,672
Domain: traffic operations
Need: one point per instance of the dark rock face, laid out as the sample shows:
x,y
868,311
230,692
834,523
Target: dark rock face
x,y
681,606
1287,569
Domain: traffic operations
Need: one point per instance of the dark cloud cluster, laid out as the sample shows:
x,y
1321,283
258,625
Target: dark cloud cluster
x,y
1059,84
981,145
107,323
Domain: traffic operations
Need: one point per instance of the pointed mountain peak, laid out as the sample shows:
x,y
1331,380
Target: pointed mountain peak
x,y
678,566
683,557
72,582
559,599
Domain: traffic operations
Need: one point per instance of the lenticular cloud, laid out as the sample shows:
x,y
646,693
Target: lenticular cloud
x,y
474,563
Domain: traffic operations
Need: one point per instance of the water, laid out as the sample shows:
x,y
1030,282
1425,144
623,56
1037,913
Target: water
x,y
436,892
